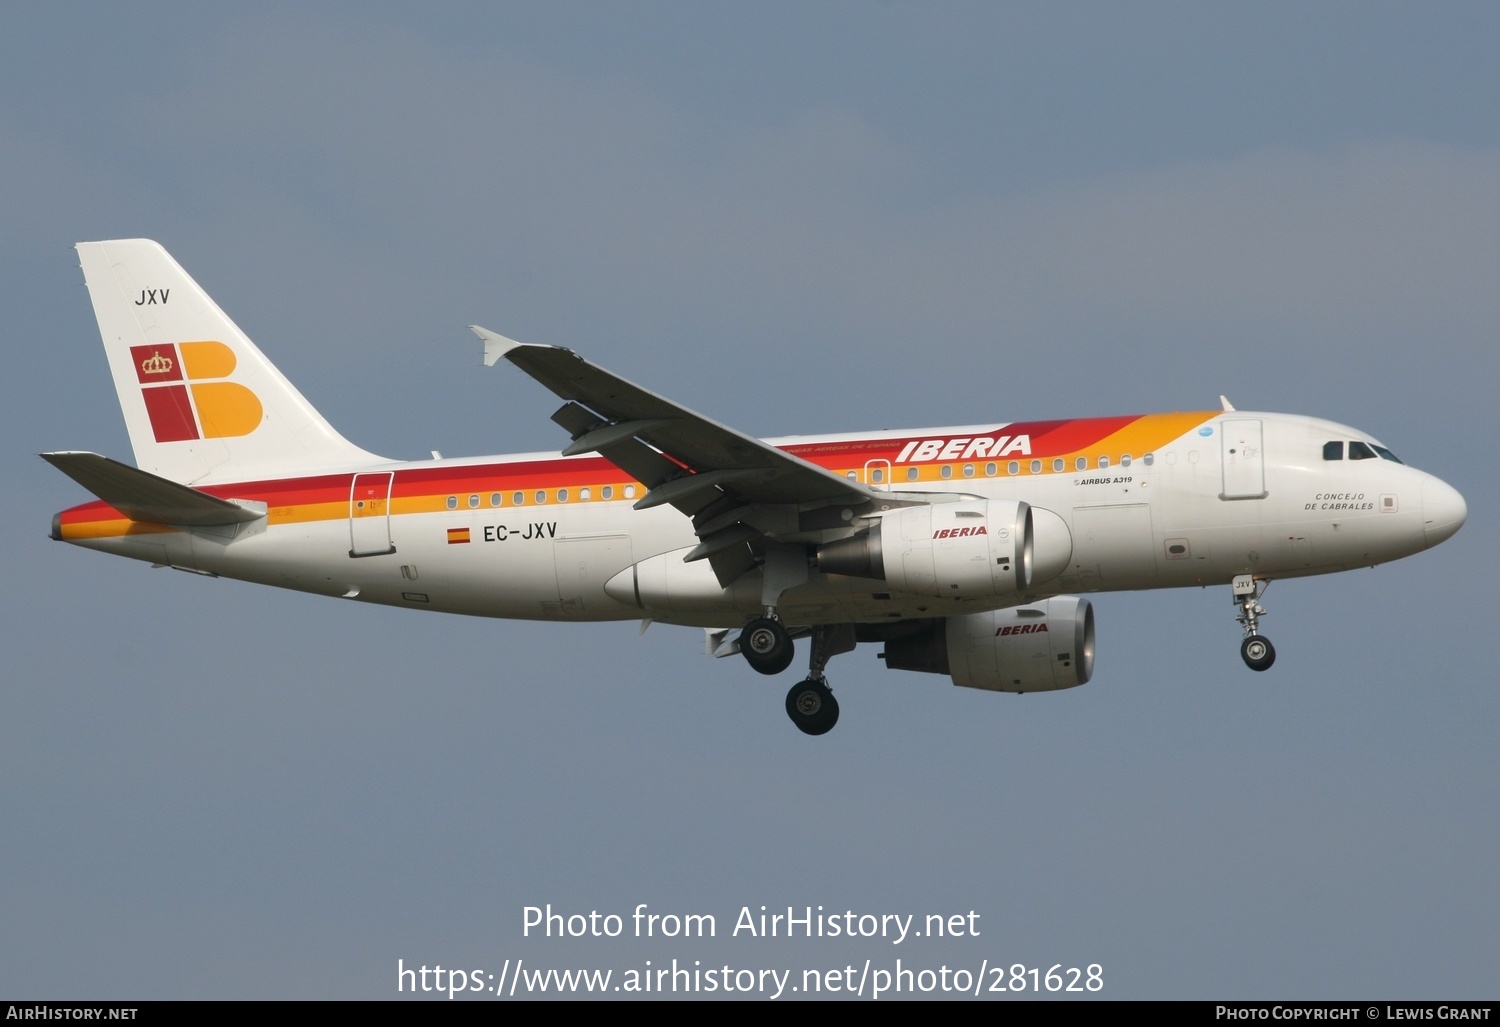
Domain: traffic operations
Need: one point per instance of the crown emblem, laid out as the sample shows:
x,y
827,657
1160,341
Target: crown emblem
x,y
156,364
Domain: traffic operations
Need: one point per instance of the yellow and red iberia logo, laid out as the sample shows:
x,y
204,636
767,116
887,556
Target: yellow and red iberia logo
x,y
185,395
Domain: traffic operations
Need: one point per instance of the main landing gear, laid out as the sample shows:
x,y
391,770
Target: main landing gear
x,y
1256,650
767,646
812,707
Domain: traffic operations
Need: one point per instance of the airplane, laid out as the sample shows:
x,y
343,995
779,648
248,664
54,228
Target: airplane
x,y
963,551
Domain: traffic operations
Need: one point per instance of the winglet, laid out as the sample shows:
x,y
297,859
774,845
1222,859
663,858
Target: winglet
x,y
495,345
1228,406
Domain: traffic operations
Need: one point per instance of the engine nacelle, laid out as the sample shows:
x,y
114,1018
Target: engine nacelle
x,y
974,549
1036,648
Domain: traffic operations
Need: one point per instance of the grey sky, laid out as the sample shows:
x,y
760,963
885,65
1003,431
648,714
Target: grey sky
x,y
796,218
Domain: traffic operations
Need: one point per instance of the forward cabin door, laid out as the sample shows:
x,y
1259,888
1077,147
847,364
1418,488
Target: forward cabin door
x,y
370,514
1244,460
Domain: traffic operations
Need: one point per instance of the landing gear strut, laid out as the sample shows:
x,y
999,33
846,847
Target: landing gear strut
x,y
1256,650
765,643
810,703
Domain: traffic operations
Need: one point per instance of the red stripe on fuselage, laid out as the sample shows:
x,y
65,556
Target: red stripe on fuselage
x,y
1071,436
415,481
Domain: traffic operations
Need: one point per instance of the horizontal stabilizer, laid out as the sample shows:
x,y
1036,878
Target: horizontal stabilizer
x,y
143,496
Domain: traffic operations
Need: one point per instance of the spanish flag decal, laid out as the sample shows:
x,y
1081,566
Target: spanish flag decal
x,y
458,536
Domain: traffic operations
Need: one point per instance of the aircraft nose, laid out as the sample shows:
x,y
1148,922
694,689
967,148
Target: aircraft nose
x,y
1443,510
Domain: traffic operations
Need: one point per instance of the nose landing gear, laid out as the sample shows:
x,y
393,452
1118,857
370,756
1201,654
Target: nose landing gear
x,y
1256,650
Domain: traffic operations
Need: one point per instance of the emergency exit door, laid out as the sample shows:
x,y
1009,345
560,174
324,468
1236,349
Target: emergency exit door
x,y
370,514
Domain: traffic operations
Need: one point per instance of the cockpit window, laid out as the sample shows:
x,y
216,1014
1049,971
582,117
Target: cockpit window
x,y
1357,451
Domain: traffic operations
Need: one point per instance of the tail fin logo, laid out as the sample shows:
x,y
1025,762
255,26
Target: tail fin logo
x,y
156,364
205,406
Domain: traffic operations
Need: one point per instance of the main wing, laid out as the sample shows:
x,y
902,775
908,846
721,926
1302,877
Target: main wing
x,y
737,489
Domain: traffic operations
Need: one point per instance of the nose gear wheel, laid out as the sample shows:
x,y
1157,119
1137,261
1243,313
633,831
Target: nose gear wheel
x,y
1258,652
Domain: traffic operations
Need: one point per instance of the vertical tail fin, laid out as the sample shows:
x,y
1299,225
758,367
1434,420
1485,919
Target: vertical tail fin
x,y
200,401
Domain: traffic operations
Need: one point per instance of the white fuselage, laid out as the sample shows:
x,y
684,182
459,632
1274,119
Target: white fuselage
x,y
1207,506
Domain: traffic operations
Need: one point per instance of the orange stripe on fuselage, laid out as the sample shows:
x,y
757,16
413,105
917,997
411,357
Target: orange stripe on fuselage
x,y
427,489
100,520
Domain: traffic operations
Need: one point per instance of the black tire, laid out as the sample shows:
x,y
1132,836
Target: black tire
x,y
1258,652
812,707
766,646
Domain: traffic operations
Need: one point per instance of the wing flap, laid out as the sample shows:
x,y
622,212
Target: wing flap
x,y
598,438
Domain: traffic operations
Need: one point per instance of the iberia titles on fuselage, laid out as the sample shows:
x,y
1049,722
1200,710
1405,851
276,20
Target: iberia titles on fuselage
x,y
962,550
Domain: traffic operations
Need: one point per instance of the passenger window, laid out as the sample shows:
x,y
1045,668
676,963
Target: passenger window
x,y
947,470
473,502
453,502
968,470
1125,460
1103,462
607,492
911,474
584,494
1081,463
989,470
1036,467
1149,458
1013,468
494,499
1360,451
562,495
519,499
541,496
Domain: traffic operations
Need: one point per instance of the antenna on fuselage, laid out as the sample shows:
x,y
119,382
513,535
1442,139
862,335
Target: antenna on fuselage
x,y
1228,406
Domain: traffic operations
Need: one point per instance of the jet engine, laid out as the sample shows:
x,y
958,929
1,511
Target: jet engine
x,y
973,549
1035,648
